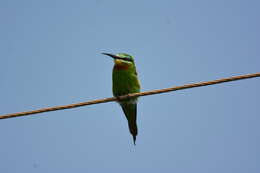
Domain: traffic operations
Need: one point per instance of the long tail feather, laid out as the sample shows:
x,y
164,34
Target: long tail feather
x,y
130,110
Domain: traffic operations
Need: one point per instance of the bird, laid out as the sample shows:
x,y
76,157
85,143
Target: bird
x,y
125,81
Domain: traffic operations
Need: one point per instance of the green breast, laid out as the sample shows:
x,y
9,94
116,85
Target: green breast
x,y
125,82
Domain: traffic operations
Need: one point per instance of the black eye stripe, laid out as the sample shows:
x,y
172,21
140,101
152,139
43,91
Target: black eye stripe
x,y
129,59
126,59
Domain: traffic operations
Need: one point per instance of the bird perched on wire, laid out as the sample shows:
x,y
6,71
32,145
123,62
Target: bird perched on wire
x,y
125,81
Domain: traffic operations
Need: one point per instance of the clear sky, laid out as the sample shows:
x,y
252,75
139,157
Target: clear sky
x,y
50,55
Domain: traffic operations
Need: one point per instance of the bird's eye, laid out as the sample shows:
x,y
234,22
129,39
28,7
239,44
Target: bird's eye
x,y
129,59
125,59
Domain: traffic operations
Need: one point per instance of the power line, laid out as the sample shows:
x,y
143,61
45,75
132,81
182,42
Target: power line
x,y
152,92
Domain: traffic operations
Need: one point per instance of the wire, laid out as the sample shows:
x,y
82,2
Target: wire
x,y
152,92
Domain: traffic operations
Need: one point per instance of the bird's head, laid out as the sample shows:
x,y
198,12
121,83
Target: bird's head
x,y
122,59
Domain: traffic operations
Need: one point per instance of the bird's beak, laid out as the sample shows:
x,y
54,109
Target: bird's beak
x,y
111,55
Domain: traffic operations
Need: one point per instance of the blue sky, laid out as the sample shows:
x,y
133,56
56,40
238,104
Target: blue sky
x,y
50,55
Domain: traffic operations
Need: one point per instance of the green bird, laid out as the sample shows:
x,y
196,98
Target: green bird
x,y
125,81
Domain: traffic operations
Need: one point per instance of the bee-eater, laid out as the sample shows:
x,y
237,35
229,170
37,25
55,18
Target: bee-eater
x,y
125,81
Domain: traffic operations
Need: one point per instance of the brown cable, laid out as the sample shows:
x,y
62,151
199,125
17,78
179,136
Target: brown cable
x,y
192,85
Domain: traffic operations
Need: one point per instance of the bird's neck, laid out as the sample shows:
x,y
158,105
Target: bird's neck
x,y
121,66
